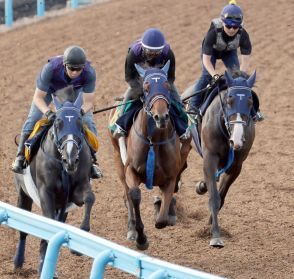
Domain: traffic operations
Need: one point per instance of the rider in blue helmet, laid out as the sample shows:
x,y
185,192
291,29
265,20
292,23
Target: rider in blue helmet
x,y
225,36
71,68
151,50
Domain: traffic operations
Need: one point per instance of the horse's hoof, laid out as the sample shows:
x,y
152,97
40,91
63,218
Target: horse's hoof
x,y
216,243
201,188
131,235
161,225
172,220
142,246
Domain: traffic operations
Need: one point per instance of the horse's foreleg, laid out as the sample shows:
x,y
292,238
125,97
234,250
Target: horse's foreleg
x,y
209,168
47,199
89,199
227,180
23,202
135,196
167,194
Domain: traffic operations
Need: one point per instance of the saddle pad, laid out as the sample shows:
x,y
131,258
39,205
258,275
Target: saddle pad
x,y
37,128
32,191
91,138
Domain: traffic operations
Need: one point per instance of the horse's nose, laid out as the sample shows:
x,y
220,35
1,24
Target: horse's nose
x,y
236,145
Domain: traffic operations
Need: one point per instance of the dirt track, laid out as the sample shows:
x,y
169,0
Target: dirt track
x,y
257,219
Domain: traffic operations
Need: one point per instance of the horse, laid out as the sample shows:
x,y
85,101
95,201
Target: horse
x,y
153,156
59,171
227,134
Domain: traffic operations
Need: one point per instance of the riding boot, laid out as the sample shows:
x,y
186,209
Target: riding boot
x,y
19,163
95,170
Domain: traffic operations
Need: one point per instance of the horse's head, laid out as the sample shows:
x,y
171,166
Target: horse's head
x,y
238,104
68,132
156,90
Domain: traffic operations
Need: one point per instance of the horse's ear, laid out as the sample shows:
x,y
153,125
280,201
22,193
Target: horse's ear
x,y
251,80
140,70
229,78
56,103
79,101
166,67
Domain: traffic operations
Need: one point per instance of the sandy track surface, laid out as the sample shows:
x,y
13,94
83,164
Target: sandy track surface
x,y
257,219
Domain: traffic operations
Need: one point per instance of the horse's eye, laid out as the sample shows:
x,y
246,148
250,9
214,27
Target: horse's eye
x,y
250,101
146,87
167,85
58,124
230,100
80,123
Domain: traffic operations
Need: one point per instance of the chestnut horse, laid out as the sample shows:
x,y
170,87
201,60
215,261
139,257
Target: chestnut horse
x,y
154,155
227,134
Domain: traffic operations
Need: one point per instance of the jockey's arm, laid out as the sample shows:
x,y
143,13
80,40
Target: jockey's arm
x,y
244,65
89,99
208,65
39,100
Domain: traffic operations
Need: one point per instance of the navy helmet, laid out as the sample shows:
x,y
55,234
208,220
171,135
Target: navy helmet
x,y
153,42
74,56
232,15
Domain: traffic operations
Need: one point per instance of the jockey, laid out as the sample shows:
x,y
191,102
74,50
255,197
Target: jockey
x,y
150,51
71,68
225,35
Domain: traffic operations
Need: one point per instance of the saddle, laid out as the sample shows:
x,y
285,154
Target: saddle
x,y
42,127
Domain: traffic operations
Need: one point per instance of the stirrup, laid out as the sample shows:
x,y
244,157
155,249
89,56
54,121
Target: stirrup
x,y
186,135
119,132
258,117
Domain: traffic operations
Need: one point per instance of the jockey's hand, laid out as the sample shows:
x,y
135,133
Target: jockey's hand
x,y
215,78
50,115
82,112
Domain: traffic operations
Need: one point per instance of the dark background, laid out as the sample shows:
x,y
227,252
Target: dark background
x,y
28,8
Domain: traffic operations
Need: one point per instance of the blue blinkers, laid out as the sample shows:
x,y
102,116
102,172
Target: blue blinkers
x,y
241,101
69,116
157,88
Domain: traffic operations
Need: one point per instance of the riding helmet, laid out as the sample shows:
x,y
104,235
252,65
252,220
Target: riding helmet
x,y
153,39
74,56
232,15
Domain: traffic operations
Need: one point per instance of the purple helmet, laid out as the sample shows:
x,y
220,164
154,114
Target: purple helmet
x,y
232,15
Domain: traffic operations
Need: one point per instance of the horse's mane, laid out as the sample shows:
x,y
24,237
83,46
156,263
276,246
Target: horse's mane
x,y
66,94
236,73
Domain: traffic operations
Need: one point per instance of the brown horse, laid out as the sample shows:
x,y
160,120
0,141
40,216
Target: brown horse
x,y
227,134
154,155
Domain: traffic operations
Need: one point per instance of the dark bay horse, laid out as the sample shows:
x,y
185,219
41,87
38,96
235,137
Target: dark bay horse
x,y
60,172
227,134
153,153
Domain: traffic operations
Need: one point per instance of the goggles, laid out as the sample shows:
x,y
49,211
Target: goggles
x,y
74,69
152,52
232,26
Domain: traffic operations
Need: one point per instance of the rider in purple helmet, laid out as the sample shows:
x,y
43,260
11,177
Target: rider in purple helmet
x,y
225,35
152,51
71,68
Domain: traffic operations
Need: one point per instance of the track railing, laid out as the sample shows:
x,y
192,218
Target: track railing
x,y
102,251
40,9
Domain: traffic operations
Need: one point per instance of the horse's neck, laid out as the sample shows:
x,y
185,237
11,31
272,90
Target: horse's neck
x,y
49,147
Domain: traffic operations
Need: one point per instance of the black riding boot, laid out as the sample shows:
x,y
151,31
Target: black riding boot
x,y
19,162
95,170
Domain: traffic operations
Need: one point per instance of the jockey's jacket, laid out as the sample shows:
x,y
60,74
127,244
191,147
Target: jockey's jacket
x,y
53,77
220,44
